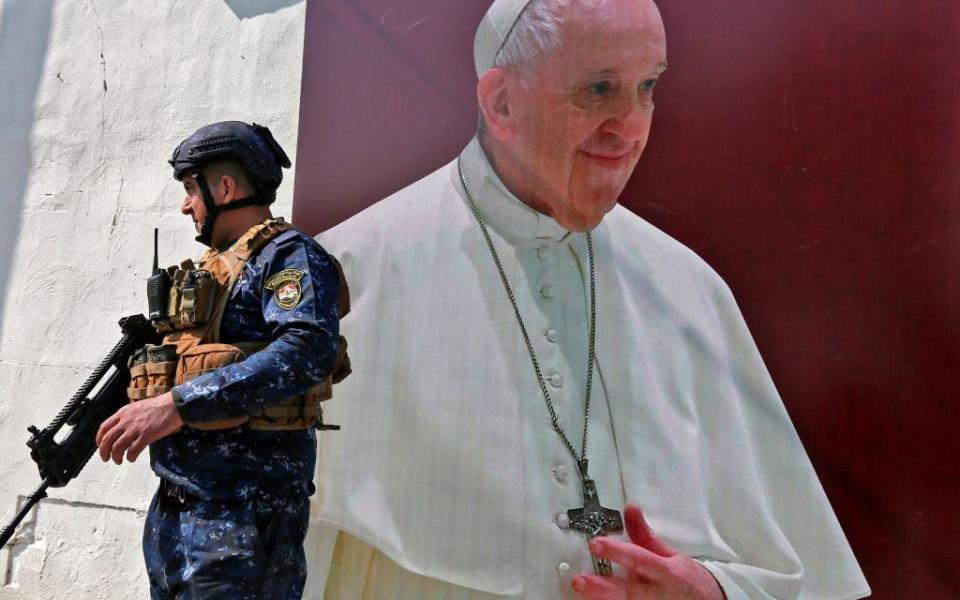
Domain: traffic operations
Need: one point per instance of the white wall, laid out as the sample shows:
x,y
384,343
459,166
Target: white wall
x,y
94,95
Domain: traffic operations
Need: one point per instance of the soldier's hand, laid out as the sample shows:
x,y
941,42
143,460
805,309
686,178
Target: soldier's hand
x,y
654,569
136,426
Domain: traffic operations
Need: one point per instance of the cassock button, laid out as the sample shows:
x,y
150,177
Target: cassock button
x,y
552,335
547,291
563,521
556,380
560,474
543,252
564,569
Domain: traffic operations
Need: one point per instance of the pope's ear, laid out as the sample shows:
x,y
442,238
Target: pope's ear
x,y
494,99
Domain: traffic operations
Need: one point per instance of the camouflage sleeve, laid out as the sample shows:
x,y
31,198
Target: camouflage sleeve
x,y
299,288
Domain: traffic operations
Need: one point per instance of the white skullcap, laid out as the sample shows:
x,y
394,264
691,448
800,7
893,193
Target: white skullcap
x,y
493,31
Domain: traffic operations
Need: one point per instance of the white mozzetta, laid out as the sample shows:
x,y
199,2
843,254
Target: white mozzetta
x,y
451,469
94,95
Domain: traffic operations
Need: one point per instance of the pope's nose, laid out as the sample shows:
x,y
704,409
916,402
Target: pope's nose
x,y
631,120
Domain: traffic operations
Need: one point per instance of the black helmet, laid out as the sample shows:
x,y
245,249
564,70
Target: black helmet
x,y
252,146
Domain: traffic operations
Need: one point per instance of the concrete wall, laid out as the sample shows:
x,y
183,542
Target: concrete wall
x,y
94,95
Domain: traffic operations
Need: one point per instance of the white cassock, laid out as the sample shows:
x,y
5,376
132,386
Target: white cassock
x,y
448,480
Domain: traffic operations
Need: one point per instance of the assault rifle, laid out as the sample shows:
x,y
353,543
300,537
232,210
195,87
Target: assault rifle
x,y
102,394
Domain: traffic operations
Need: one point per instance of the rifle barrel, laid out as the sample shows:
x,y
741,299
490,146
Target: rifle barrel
x,y
36,496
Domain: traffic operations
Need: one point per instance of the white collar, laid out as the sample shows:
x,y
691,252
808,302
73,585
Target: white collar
x,y
498,206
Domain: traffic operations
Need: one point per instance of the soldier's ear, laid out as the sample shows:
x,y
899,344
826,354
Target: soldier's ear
x,y
228,187
493,96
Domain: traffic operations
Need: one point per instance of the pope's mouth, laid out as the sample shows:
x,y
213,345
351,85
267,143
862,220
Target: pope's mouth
x,y
608,159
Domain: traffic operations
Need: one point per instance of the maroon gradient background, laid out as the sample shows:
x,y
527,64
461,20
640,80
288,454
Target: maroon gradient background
x,y
808,149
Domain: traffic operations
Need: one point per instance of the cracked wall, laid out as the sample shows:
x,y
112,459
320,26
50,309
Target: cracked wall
x,y
90,113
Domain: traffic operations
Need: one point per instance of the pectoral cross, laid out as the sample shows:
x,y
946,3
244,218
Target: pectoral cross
x,y
594,520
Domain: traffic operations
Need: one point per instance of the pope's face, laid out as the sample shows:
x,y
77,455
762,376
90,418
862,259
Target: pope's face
x,y
583,117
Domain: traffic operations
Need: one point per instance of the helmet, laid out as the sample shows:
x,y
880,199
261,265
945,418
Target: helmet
x,y
252,146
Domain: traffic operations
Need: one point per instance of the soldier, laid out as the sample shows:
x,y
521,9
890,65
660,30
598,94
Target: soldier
x,y
228,404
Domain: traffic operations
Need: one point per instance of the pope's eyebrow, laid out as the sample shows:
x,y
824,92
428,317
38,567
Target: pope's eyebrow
x,y
603,73
660,67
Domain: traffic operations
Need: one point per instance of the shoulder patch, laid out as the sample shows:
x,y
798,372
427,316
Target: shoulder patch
x,y
285,286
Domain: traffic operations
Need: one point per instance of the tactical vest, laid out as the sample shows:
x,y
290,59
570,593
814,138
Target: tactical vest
x,y
191,346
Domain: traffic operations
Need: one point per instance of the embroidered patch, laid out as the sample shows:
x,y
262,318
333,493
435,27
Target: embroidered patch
x,y
285,286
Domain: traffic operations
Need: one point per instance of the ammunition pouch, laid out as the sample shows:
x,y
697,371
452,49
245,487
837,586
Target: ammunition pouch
x,y
152,371
149,379
192,298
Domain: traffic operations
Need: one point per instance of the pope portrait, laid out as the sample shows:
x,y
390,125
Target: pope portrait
x,y
551,398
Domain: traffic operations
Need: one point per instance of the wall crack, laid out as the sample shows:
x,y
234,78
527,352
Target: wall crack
x,y
117,209
103,69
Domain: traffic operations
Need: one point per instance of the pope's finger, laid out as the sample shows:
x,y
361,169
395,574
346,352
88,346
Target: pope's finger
x,y
636,559
105,427
641,534
595,587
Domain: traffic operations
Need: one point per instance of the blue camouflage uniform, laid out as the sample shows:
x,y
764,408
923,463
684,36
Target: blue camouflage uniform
x,y
238,531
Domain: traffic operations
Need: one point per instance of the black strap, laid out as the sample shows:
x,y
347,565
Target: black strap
x,y
214,209
242,203
206,228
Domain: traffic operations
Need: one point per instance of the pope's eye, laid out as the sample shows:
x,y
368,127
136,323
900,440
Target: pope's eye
x,y
648,85
600,88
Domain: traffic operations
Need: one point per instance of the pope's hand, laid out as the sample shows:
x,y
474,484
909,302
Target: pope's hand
x,y
654,569
136,426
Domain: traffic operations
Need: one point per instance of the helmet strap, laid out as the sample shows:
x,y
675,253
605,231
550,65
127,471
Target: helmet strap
x,y
213,209
242,203
206,228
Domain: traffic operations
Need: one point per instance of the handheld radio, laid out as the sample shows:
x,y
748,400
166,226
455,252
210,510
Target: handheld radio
x,y
158,285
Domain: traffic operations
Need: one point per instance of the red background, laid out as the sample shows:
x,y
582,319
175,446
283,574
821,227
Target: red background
x,y
808,149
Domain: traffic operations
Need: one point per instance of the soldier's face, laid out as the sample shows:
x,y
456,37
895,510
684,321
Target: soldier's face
x,y
192,203
584,117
